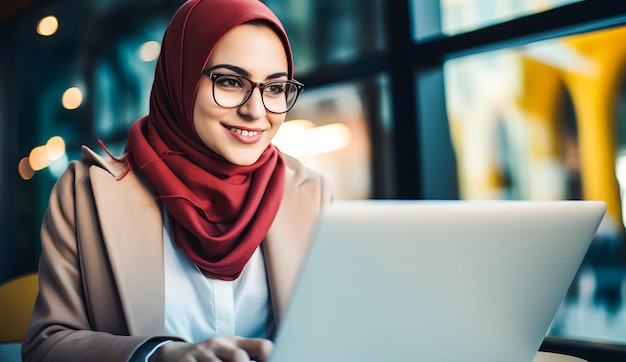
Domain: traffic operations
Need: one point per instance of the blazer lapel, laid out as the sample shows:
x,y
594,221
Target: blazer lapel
x,y
131,224
287,243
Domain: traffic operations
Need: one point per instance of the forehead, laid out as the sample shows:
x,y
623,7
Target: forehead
x,y
255,48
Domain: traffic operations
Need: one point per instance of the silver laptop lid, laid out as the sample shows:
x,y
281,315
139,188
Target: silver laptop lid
x,y
435,281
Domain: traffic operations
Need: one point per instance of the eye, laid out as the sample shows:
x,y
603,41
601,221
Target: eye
x,y
276,88
228,81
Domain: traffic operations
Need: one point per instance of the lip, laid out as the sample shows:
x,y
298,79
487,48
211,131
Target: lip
x,y
244,134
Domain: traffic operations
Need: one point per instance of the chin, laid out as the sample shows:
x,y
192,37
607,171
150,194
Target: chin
x,y
243,160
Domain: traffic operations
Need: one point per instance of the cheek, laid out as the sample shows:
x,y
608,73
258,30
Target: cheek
x,y
205,111
276,120
204,105
206,117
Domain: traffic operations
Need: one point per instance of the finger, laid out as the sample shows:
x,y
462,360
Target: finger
x,y
206,356
199,352
225,350
228,353
257,348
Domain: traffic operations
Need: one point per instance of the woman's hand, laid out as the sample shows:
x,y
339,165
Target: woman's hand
x,y
223,349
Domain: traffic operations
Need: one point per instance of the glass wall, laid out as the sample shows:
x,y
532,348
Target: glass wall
x,y
544,121
458,16
326,32
328,130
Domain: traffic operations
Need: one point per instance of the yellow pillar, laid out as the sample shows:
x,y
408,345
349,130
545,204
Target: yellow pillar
x,y
594,94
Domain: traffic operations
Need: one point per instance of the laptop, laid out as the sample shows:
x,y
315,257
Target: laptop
x,y
435,280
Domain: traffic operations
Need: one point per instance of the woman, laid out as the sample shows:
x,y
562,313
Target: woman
x,y
187,247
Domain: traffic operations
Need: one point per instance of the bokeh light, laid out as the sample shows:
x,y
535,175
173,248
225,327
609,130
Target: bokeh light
x,y
149,51
302,138
47,26
72,98
55,148
26,172
38,158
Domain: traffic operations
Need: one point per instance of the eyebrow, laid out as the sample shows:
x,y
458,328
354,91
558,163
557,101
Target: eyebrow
x,y
244,72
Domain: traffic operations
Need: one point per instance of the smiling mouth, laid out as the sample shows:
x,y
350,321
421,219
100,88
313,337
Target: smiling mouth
x,y
243,132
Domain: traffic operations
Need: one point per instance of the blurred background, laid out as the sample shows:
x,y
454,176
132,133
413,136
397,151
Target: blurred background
x,y
421,99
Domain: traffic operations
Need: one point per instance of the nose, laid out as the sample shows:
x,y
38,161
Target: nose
x,y
253,108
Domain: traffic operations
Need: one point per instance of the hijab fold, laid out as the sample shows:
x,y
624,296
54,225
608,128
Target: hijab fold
x,y
219,212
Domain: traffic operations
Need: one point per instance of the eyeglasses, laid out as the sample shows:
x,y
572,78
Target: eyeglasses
x,y
233,90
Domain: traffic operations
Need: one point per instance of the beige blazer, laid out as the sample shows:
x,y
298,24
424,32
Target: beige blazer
x,y
101,269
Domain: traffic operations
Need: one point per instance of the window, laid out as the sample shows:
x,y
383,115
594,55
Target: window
x,y
538,122
329,131
328,32
459,16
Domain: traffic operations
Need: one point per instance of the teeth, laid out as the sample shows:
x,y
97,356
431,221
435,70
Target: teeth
x,y
244,132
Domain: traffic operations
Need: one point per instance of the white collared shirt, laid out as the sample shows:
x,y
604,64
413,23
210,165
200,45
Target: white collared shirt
x,y
198,308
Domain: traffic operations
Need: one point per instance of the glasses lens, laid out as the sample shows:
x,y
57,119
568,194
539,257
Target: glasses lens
x,y
279,97
230,91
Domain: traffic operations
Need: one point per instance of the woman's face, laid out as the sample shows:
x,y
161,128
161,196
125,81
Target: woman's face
x,y
241,134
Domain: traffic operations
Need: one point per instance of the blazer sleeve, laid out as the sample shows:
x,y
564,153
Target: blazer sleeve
x,y
60,327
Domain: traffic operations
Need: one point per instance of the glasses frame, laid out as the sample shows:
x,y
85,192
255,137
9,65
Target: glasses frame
x,y
213,76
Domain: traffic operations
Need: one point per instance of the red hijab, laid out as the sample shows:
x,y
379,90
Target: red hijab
x,y
219,212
